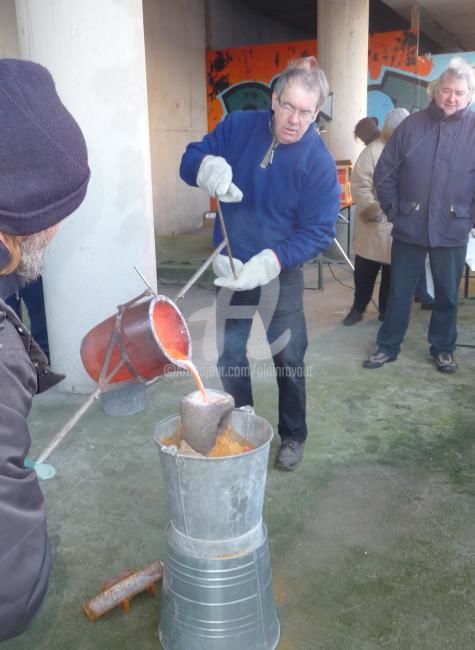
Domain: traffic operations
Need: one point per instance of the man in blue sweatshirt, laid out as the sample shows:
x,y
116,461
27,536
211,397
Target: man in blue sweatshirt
x,y
280,194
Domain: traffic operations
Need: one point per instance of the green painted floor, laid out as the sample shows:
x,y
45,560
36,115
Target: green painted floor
x,y
371,539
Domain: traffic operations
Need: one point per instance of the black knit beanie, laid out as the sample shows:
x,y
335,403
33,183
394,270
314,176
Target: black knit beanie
x,y
43,156
367,130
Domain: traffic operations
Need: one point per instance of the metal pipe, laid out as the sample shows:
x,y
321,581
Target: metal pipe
x,y
59,437
225,236
347,259
63,432
119,591
200,271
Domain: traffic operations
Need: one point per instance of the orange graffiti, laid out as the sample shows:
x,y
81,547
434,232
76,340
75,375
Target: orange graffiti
x,y
396,50
259,63
262,63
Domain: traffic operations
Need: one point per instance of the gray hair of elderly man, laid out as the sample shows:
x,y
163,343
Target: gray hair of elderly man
x,y
307,72
457,68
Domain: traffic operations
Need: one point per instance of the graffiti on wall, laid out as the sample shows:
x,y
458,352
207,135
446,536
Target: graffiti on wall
x,y
243,78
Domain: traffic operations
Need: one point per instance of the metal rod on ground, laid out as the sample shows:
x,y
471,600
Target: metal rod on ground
x,y
200,271
225,236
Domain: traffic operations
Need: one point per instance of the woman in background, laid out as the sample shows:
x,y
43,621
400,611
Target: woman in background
x,y
372,230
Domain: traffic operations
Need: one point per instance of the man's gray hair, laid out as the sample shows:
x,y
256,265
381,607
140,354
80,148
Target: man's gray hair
x,y
457,68
309,74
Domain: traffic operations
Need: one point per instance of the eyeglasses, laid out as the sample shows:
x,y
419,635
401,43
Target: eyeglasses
x,y
303,116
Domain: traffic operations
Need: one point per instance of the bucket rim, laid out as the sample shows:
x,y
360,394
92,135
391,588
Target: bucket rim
x,y
161,298
164,448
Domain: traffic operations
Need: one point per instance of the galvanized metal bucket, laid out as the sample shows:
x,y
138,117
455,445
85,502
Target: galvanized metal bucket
x,y
217,579
217,498
218,604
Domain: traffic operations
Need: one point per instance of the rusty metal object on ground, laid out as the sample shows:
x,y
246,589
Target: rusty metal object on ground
x,y
118,591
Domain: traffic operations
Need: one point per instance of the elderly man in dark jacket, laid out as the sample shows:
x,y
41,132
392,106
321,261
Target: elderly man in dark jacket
x,y
43,178
425,182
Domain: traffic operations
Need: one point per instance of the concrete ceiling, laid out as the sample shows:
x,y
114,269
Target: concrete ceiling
x,y
446,25
450,23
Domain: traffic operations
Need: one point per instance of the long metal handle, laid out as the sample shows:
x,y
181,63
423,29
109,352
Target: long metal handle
x,y
63,432
102,381
59,437
200,271
225,237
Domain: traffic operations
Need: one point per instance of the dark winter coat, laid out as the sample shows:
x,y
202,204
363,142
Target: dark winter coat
x,y
25,560
425,178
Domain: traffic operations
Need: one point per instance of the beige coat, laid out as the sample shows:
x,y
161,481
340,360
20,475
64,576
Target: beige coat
x,y
372,231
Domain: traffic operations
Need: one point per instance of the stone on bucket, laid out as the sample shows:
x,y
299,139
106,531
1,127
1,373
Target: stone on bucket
x,y
202,421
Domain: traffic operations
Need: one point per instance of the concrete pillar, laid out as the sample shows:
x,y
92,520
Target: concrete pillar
x,y
8,32
343,54
175,42
95,51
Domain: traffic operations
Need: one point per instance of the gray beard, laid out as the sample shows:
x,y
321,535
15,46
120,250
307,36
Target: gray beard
x,y
32,254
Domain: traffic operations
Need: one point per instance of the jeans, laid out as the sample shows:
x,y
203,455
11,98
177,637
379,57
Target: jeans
x,y
280,307
33,297
422,294
407,263
366,272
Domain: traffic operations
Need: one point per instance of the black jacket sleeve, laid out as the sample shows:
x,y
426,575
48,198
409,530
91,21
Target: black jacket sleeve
x,y
25,560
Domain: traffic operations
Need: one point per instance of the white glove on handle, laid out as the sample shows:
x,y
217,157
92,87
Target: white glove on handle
x,y
259,270
215,176
222,266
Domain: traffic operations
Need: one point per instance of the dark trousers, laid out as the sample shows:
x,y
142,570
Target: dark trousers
x,y
280,307
407,263
422,295
366,272
33,297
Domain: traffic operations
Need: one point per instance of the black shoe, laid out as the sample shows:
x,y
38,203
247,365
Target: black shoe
x,y
290,455
381,317
353,317
378,359
445,362
427,306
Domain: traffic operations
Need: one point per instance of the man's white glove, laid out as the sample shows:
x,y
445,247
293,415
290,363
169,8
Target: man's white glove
x,y
215,177
222,266
259,270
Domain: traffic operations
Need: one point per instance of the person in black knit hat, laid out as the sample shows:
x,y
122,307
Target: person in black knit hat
x,y
44,175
